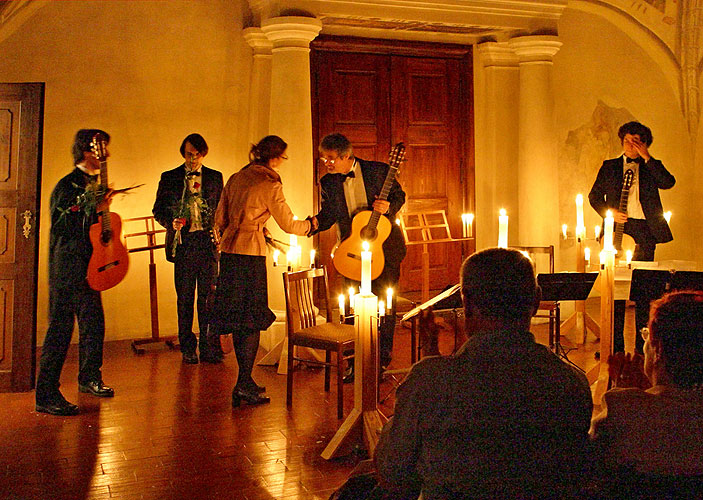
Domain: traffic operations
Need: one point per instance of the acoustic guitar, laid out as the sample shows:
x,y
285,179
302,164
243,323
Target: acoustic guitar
x,y
370,226
109,263
627,180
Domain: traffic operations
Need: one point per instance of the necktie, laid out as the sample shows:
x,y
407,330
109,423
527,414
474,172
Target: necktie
x,y
193,173
349,175
631,160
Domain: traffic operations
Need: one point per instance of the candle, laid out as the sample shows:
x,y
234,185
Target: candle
x,y
276,253
608,231
289,259
397,222
389,298
564,228
597,231
351,299
628,257
365,269
602,258
312,258
467,221
587,255
667,216
341,307
503,229
381,308
580,226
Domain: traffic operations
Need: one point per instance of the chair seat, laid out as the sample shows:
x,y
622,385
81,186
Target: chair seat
x,y
323,335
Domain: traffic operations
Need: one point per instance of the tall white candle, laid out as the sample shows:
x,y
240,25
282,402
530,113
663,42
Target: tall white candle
x,y
365,269
608,231
276,254
381,308
580,225
628,257
341,305
596,231
587,255
503,229
312,258
389,298
564,230
667,216
351,299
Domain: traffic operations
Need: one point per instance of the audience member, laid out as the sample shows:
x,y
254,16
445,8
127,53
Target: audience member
x,y
502,418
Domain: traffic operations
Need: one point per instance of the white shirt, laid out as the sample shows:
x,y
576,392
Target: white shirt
x,y
195,187
634,206
355,190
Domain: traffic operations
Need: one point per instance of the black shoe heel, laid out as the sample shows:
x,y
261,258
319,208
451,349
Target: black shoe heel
x,y
250,398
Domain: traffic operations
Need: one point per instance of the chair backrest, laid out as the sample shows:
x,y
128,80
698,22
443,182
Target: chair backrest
x,y
300,294
535,252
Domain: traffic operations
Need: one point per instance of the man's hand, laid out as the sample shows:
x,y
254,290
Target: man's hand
x,y
618,216
381,206
641,148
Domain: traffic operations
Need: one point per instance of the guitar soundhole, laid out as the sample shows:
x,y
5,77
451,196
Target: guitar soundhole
x,y
105,237
369,234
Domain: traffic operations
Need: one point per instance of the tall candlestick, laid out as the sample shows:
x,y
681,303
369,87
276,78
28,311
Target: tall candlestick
x,y
503,229
587,255
276,254
365,269
341,307
351,299
381,308
389,298
564,230
312,258
608,231
628,257
580,226
596,231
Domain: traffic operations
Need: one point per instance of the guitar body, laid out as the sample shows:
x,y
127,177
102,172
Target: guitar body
x,y
110,260
347,255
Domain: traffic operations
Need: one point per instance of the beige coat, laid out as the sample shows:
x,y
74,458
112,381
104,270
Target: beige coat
x,y
250,198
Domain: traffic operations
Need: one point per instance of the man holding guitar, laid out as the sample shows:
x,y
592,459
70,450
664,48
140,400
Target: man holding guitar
x,y
185,205
70,295
351,185
643,215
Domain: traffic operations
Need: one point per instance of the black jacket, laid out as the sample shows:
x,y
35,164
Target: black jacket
x,y
168,197
605,193
334,206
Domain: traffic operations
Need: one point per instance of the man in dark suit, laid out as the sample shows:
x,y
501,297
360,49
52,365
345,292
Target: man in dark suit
x,y
644,219
351,185
70,296
185,205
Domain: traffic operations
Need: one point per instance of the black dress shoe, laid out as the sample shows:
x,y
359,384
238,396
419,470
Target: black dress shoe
x,y
61,408
249,397
190,359
259,388
96,388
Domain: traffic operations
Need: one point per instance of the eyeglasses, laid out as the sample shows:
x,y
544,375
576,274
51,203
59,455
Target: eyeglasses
x,y
331,161
283,157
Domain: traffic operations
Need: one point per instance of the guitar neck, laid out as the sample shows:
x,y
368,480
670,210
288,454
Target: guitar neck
x,y
620,226
385,190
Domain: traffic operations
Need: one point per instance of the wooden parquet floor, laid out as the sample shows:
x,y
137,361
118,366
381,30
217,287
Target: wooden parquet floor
x,y
170,432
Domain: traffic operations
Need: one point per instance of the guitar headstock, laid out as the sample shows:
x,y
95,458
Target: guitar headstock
x,y
397,156
98,145
628,178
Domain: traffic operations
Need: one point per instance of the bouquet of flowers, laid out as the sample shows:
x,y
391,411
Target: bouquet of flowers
x,y
184,209
92,196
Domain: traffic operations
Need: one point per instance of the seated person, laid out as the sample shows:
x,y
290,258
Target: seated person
x,y
659,431
503,417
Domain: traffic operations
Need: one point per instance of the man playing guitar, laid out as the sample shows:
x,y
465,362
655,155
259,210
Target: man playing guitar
x,y
644,219
350,185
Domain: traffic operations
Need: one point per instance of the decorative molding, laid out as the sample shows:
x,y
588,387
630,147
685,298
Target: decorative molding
x,y
258,41
535,48
497,54
291,32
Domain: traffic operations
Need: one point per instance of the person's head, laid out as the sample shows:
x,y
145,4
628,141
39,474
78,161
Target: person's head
x,y
193,149
336,154
636,131
499,288
270,151
673,349
82,149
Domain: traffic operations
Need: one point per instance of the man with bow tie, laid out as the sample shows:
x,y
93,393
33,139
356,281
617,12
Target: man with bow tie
x,y
350,185
644,220
185,205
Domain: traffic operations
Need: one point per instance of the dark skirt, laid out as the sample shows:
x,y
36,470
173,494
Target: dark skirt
x,y
241,297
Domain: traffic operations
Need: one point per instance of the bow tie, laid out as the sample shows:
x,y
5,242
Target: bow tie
x,y
631,160
349,175
193,173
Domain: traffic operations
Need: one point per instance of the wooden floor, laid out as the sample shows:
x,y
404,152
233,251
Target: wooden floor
x,y
170,431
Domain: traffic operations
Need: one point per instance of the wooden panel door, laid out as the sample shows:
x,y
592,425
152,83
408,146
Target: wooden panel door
x,y
379,93
21,112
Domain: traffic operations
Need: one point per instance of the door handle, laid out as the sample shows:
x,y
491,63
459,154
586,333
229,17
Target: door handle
x,y
27,227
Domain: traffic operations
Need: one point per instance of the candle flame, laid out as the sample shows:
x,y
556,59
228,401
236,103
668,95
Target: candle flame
x,y
628,256
365,246
579,198
587,253
667,216
503,213
608,214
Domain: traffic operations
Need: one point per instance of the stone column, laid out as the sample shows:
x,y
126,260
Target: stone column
x,y
260,84
497,165
538,175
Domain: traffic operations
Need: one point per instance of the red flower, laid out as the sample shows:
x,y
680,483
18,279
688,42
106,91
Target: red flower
x,y
75,208
196,185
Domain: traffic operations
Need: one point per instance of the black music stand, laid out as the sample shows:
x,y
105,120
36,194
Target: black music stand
x,y
558,287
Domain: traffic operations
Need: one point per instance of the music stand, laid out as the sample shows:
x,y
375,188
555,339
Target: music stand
x,y
558,287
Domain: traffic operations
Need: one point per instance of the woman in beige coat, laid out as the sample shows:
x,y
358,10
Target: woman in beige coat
x,y
250,198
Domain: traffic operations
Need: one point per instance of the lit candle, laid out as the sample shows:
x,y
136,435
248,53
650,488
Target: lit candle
x,y
503,229
580,226
365,269
470,218
397,222
596,231
289,258
587,255
608,231
276,253
602,258
312,258
341,307
381,308
564,229
389,298
467,223
628,257
351,299
667,216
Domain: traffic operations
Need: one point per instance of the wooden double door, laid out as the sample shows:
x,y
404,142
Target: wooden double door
x,y
380,93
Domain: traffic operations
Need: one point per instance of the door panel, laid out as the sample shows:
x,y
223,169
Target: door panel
x,y
380,98
21,111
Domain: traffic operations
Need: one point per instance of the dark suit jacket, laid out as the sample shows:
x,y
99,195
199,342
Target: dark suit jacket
x,y
168,196
605,193
334,206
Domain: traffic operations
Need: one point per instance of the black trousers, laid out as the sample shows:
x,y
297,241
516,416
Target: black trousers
x,y
65,305
195,267
644,251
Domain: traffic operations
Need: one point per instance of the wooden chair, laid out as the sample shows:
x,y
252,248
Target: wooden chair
x,y
303,330
551,308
